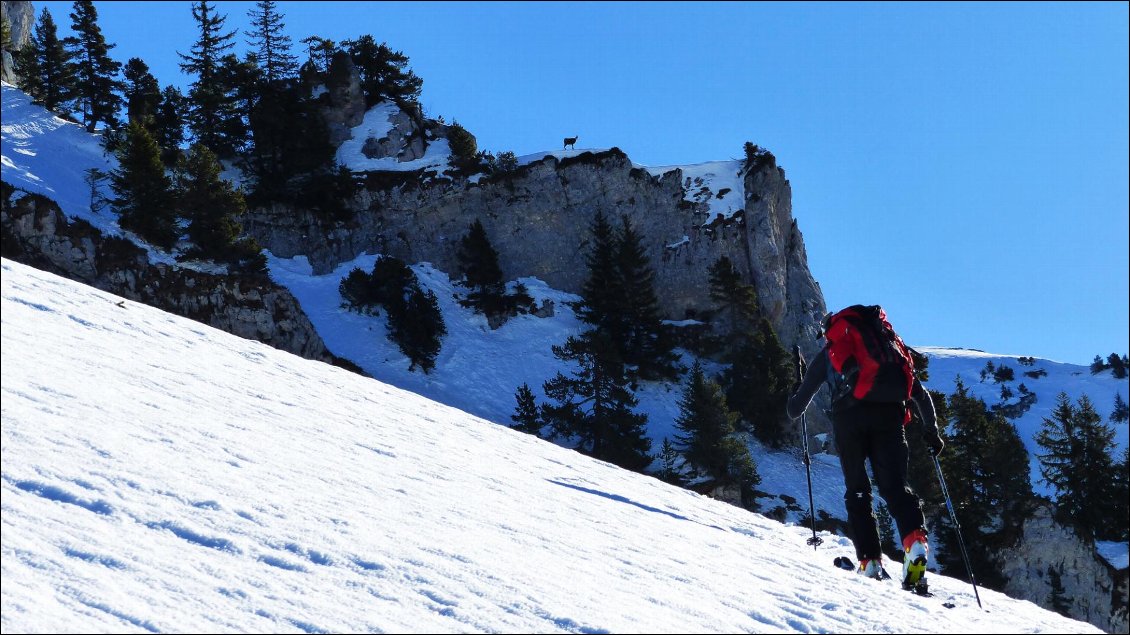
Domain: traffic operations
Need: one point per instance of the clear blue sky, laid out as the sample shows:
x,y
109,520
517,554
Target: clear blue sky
x,y
963,164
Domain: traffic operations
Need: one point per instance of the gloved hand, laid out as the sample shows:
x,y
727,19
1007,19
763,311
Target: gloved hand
x,y
934,442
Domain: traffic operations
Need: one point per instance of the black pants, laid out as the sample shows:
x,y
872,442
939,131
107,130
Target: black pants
x,y
872,431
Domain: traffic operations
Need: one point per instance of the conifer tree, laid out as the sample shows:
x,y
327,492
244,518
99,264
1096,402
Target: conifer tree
x,y
168,125
1098,366
1077,462
271,44
1119,529
602,300
144,199
211,206
1117,366
209,105
526,417
668,468
995,493
321,52
707,441
142,92
595,405
383,74
758,384
1121,412
96,74
45,67
478,262
418,328
645,345
735,301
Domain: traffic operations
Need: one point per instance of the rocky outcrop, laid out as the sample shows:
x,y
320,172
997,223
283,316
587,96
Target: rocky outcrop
x,y
37,233
539,217
20,17
343,102
1093,590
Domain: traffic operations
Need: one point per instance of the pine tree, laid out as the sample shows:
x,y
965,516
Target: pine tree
x,y
526,417
209,104
321,52
994,495
418,328
668,467
735,302
595,405
1098,366
758,383
96,73
1117,366
142,92
283,163
1121,412
45,67
602,303
478,262
145,203
645,346
1078,464
383,74
168,125
1119,529
707,441
270,43
211,206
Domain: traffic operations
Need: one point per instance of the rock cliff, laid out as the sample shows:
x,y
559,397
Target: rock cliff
x,y
36,233
20,17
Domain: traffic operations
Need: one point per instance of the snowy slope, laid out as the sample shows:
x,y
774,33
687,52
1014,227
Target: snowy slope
x,y
205,482
947,364
479,370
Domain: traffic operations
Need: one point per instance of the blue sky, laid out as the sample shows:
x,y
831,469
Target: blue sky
x,y
963,164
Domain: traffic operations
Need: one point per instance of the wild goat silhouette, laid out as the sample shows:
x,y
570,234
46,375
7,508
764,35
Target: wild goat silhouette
x,y
570,141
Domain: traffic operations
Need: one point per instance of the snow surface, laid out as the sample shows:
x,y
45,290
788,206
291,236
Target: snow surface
x,y
376,125
47,155
161,475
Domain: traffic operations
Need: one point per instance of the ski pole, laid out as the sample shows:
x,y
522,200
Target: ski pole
x,y
957,530
800,369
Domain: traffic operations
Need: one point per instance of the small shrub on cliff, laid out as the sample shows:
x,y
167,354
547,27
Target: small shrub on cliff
x,y
756,157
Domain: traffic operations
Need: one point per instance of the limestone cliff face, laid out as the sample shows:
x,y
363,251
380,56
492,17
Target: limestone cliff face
x,y
539,216
1094,591
36,232
20,17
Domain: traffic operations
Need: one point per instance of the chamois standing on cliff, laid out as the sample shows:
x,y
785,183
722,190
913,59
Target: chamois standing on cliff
x,y
570,141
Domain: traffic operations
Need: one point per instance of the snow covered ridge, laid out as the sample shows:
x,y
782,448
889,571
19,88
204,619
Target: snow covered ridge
x,y
210,483
1043,378
718,184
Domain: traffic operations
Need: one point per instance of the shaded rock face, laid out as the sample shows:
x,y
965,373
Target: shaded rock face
x,y
1094,591
20,17
36,233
